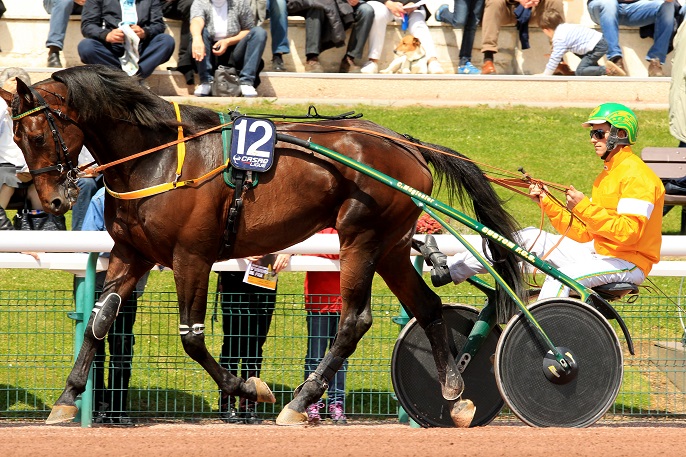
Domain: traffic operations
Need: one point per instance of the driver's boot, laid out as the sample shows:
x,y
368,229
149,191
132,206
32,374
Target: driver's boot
x,y
440,273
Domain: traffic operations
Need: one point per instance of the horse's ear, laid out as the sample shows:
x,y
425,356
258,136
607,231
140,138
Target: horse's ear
x,y
26,99
7,96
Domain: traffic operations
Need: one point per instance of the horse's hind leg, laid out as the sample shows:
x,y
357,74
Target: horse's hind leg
x,y
192,277
426,306
357,272
120,281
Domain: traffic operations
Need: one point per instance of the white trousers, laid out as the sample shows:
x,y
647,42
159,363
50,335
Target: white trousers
x,y
416,26
576,260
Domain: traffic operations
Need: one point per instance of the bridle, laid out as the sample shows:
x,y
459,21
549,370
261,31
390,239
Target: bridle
x,y
64,163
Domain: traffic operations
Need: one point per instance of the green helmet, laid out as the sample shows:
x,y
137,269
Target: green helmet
x,y
616,115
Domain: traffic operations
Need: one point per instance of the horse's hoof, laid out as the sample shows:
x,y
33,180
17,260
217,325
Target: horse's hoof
x,y
264,393
453,387
289,416
61,413
462,413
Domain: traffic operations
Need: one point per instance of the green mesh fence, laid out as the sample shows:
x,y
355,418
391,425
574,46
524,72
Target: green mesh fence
x,y
37,339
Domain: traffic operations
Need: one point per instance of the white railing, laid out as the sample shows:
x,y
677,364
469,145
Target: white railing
x,y
68,251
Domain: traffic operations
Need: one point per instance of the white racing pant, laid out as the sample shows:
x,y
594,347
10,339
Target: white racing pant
x,y
576,260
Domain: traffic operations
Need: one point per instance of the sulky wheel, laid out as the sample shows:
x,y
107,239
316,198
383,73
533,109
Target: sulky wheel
x,y
528,377
415,380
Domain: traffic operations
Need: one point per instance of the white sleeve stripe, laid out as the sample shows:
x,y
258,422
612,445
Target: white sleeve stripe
x,y
635,206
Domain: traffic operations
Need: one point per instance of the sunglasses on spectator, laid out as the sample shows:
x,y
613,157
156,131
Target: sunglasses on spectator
x,y
598,134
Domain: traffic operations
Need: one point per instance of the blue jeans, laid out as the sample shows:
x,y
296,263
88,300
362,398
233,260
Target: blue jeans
x,y
152,53
467,14
278,26
588,66
59,11
87,188
610,15
321,331
246,57
364,18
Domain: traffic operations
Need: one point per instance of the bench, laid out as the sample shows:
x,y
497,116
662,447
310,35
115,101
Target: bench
x,y
669,163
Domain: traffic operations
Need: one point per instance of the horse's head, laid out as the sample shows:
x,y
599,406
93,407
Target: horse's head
x,y
50,138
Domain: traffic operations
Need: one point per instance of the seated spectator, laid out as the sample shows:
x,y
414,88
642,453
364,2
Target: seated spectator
x,y
610,14
586,43
59,11
416,25
227,36
14,172
278,28
111,29
466,14
510,12
180,10
325,25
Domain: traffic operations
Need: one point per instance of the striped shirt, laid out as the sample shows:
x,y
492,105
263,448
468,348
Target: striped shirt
x,y
571,38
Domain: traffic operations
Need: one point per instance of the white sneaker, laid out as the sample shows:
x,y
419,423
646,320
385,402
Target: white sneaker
x,y
248,91
370,68
203,90
435,68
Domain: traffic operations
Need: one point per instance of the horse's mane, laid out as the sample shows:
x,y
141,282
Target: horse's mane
x,y
98,92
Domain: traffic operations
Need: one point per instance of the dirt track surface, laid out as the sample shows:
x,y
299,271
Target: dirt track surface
x,y
393,440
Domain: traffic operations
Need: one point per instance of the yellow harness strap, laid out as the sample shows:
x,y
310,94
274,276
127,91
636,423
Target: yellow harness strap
x,y
160,188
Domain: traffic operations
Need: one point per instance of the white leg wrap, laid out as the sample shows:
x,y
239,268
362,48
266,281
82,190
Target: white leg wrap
x,y
198,329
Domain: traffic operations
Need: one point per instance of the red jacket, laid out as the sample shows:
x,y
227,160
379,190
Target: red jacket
x,y
323,288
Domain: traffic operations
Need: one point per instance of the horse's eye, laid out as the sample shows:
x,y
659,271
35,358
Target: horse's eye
x,y
38,140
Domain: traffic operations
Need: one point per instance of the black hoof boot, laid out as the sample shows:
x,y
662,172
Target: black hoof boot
x,y
440,274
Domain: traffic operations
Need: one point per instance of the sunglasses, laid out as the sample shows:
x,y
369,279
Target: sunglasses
x,y
598,134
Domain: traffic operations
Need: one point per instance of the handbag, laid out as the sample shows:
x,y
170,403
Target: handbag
x,y
226,82
27,219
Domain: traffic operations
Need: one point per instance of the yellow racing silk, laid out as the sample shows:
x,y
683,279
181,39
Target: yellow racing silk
x,y
623,218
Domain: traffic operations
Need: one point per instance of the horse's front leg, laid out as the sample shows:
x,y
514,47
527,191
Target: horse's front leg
x,y
120,281
192,277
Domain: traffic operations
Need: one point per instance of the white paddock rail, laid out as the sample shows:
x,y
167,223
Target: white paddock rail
x,y
68,250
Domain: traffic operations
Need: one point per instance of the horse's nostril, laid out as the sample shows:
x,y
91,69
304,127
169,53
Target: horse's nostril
x,y
56,204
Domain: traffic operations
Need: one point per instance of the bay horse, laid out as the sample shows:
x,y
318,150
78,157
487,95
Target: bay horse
x,y
302,193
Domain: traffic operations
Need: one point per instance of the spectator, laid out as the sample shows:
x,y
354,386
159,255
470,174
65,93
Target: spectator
x,y
247,312
586,43
323,305
180,10
111,406
88,185
227,36
325,25
610,14
466,14
677,109
14,173
509,12
111,29
59,11
278,27
385,12
623,218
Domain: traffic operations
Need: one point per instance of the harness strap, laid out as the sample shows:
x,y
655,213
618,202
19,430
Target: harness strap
x,y
180,147
160,188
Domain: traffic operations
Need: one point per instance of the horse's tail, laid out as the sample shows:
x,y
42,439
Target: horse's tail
x,y
464,178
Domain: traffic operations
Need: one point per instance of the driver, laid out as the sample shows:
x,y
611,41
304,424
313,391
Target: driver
x,y
614,236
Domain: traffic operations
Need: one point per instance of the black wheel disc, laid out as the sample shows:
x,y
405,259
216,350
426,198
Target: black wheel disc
x,y
415,380
584,396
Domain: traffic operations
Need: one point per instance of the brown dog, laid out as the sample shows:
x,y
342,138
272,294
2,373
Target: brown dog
x,y
411,57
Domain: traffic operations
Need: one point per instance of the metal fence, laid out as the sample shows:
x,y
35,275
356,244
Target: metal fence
x,y
37,345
